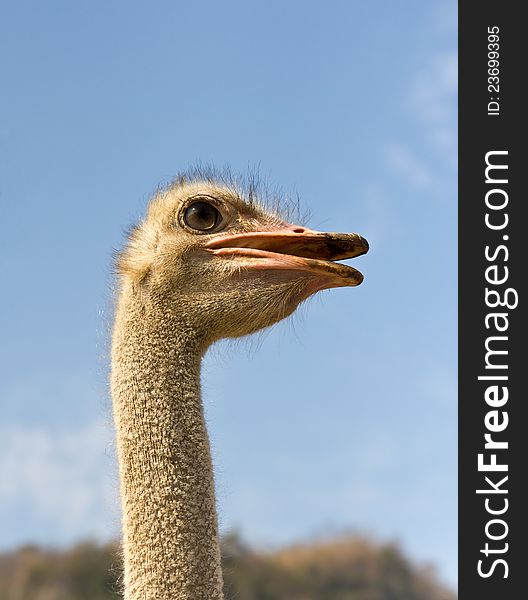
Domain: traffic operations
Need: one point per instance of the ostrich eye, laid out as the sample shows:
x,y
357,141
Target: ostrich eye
x,y
202,216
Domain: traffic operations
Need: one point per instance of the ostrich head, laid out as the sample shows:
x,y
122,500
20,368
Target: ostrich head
x,y
225,264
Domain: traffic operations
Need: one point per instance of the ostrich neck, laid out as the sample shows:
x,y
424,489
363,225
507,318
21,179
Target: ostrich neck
x,y
170,537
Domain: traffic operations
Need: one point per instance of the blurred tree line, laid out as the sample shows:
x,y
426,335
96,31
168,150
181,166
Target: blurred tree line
x,y
347,568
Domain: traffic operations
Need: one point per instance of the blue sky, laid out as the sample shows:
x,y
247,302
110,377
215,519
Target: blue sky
x,y
343,417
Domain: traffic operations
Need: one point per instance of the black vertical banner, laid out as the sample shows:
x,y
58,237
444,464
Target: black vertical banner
x,y
493,337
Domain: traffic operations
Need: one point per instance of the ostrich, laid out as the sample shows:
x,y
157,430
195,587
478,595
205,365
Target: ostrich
x,y
208,261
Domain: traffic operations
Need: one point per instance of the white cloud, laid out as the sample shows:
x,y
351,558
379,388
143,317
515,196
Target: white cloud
x,y
405,162
434,88
64,481
433,98
432,101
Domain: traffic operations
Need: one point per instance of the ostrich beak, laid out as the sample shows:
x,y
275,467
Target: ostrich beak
x,y
297,249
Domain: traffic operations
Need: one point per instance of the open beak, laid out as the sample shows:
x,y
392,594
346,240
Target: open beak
x,y
296,249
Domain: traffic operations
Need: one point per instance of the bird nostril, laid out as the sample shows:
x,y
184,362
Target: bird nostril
x,y
298,229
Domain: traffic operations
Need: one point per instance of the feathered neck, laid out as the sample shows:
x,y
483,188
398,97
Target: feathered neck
x,y
170,533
